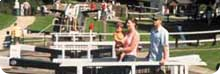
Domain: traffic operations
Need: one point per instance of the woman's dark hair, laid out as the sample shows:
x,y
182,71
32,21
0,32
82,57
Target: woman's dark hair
x,y
132,19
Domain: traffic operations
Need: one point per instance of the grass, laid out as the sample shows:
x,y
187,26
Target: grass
x,y
6,20
40,23
211,57
208,53
98,27
123,18
111,28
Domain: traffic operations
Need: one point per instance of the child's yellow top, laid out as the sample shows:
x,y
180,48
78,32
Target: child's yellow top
x,y
118,36
16,31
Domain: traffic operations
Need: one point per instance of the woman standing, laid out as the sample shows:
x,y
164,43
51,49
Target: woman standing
x,y
130,41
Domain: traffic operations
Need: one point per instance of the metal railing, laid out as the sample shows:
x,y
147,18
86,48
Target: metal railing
x,y
213,39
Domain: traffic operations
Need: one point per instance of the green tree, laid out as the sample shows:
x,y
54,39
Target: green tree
x,y
47,1
6,6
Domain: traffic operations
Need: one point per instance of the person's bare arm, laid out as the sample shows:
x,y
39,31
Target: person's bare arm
x,y
121,56
165,49
134,43
165,56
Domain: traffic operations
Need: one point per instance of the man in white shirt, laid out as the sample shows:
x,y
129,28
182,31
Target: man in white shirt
x,y
17,7
159,44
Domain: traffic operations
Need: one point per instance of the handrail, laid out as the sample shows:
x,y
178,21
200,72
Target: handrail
x,y
195,32
142,42
177,41
152,8
171,33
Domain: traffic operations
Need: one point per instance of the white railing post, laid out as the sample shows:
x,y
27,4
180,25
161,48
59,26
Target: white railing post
x,y
174,69
186,69
56,37
113,51
63,51
15,51
90,45
79,69
181,69
133,69
89,51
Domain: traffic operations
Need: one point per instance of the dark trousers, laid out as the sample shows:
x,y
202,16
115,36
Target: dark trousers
x,y
127,58
26,12
156,70
17,40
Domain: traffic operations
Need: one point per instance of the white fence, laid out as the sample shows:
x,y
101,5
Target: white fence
x,y
176,64
93,45
214,39
180,65
82,46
